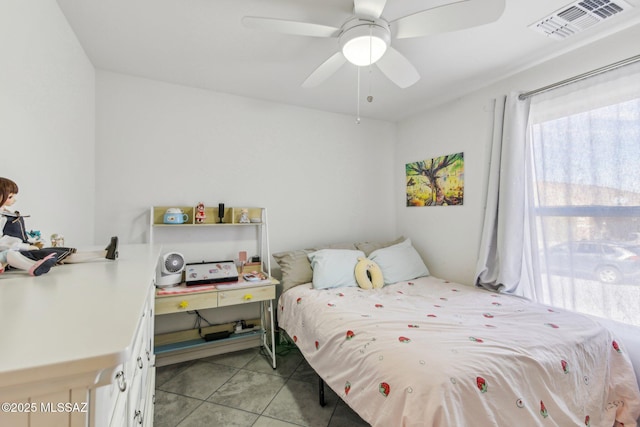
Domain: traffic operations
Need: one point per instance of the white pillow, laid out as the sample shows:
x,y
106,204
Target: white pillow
x,y
399,262
334,268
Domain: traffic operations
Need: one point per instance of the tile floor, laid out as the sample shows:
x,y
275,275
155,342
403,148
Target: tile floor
x,y
241,389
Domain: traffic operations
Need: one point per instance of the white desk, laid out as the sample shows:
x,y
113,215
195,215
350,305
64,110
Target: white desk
x,y
66,333
181,350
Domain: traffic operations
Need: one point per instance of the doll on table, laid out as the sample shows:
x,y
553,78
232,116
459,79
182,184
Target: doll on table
x,y
18,252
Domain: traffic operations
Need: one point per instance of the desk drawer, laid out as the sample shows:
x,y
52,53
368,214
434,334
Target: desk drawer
x,y
183,303
246,295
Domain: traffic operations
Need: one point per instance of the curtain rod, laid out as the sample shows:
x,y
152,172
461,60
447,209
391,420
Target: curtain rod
x,y
579,77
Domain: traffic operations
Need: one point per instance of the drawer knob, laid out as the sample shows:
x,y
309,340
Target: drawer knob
x,y
247,297
183,304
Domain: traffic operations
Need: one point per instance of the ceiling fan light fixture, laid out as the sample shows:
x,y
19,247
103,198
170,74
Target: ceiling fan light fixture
x,y
365,50
363,42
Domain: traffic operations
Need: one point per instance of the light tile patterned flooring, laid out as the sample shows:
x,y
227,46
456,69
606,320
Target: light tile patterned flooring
x,y
242,389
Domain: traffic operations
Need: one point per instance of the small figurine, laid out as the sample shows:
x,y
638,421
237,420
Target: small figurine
x,y
35,238
200,215
57,240
244,216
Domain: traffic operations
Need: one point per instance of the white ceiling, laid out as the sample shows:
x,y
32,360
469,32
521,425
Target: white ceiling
x,y
202,43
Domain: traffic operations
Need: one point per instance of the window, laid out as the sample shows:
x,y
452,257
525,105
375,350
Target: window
x,y
584,206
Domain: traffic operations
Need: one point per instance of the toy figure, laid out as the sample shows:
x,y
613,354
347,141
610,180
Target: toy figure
x,y
200,215
35,238
57,239
244,216
18,251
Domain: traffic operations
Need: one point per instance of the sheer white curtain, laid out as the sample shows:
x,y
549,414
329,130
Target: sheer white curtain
x,y
584,203
562,221
500,259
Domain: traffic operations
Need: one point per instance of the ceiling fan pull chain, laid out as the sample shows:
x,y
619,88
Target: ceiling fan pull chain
x,y
370,45
358,99
369,96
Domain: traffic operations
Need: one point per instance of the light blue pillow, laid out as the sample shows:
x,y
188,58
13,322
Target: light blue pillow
x,y
399,262
334,268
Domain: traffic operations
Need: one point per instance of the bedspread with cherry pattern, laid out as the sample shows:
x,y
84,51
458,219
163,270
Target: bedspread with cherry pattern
x,y
433,353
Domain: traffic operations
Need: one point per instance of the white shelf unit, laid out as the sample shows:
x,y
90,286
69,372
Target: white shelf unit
x,y
231,220
211,228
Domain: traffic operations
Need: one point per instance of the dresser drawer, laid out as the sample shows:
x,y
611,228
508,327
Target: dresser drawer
x,y
183,303
246,295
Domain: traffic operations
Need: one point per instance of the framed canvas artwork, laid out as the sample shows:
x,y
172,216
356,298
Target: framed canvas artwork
x,y
436,182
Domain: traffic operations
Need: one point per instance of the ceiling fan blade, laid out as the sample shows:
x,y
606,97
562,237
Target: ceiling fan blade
x,y
451,17
290,27
369,8
398,68
325,70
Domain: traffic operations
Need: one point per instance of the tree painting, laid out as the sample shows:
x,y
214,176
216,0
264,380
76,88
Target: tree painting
x,y
436,182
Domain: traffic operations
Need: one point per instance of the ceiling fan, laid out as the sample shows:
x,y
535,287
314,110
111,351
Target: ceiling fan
x,y
365,38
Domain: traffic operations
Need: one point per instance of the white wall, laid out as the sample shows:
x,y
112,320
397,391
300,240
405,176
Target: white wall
x,y
322,177
448,238
47,119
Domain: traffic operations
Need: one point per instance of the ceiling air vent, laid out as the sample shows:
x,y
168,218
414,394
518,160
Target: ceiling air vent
x,y
578,16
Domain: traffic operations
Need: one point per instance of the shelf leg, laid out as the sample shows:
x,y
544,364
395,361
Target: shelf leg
x,y
273,334
269,348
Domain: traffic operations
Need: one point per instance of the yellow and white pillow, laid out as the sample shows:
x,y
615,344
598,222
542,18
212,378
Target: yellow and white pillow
x,y
368,274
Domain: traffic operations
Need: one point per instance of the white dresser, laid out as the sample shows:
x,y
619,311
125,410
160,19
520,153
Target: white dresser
x,y
76,344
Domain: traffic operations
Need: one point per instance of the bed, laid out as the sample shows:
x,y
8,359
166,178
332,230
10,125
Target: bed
x,y
428,352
